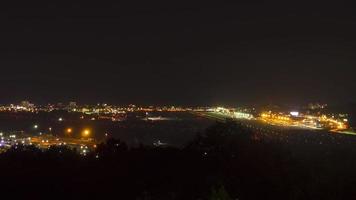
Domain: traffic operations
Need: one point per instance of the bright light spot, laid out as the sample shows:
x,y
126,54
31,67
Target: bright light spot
x,y
294,113
86,132
60,119
35,126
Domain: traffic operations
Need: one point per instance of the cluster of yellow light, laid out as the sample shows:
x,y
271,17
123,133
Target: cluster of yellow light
x,y
333,122
341,125
221,110
264,115
310,121
283,118
275,116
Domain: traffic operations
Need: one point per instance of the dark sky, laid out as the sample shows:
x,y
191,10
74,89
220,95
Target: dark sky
x,y
148,52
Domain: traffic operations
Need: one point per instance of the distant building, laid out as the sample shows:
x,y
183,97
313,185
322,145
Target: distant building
x,y
72,106
26,105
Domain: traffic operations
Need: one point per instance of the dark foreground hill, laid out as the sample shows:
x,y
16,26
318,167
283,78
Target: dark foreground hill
x,y
227,161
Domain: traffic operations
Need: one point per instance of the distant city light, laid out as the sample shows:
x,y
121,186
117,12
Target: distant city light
x,y
35,126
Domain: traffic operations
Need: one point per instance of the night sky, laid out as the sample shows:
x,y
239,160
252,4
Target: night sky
x,y
146,52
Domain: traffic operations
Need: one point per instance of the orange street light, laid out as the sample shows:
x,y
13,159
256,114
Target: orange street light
x,y
86,133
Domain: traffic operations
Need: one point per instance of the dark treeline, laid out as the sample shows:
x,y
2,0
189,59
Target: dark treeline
x,y
227,161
